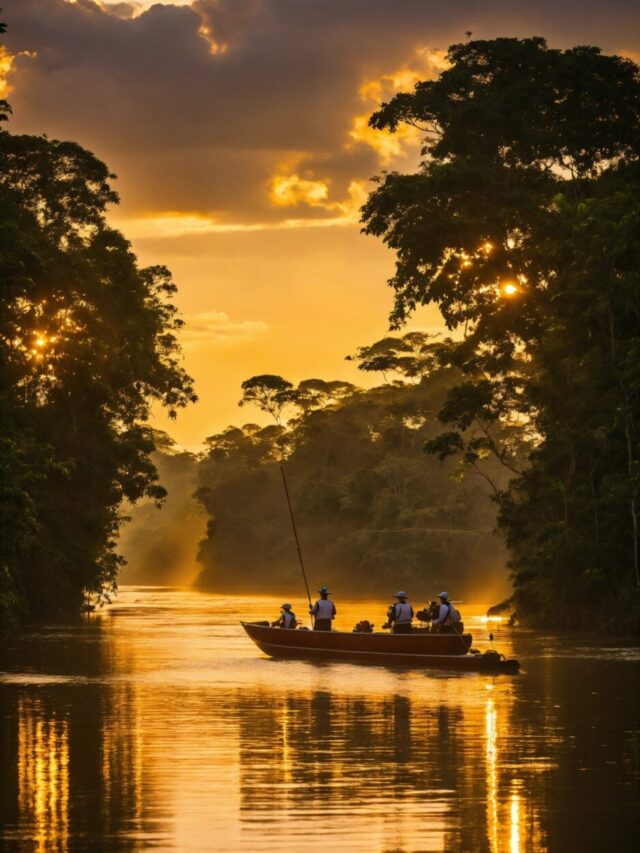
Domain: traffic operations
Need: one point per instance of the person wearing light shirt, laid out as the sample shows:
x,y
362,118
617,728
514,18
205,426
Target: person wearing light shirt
x,y
287,618
323,611
400,615
449,620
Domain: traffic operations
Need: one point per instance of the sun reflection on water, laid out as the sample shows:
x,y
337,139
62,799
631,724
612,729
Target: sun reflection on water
x,y
179,735
491,758
514,835
43,776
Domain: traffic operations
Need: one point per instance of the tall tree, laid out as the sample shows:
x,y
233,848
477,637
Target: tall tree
x,y
87,343
520,226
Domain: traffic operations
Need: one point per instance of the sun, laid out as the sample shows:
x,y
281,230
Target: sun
x,y
510,289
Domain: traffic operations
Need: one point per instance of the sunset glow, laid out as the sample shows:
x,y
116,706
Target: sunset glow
x,y
234,152
310,309
288,190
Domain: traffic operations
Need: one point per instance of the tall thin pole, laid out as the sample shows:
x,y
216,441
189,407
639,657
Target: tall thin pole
x,y
295,534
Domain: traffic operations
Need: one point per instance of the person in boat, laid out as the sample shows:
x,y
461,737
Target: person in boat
x,y
323,611
287,618
449,620
400,615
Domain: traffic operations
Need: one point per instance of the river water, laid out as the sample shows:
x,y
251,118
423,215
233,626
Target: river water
x,y
157,725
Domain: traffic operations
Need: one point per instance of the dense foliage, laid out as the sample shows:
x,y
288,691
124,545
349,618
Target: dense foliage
x,y
87,341
373,512
521,225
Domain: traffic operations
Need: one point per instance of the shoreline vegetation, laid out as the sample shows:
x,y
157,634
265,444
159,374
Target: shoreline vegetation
x,y
88,340
521,227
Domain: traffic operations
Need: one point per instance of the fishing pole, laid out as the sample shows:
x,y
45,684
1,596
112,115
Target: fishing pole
x,y
295,536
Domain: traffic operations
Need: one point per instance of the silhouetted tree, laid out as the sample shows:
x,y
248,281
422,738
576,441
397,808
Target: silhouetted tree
x,y
269,393
87,342
519,226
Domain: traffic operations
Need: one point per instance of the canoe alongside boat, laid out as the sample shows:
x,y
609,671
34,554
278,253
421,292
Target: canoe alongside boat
x,y
419,648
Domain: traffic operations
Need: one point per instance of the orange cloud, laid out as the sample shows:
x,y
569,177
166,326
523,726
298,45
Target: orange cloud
x,y
214,46
387,145
211,328
426,65
291,190
6,67
6,61
288,190
168,224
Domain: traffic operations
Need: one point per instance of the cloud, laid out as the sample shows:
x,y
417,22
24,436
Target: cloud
x,y
425,65
212,328
7,60
292,191
287,190
245,110
194,224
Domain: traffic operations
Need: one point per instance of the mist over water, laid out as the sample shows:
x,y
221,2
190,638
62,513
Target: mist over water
x,y
160,544
156,724
225,527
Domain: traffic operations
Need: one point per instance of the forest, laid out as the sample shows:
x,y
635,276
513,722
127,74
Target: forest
x,y
373,511
514,441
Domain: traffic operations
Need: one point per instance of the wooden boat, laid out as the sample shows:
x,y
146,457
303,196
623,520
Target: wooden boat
x,y
418,649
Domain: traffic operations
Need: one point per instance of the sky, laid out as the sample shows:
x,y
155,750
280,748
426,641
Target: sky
x,y
238,132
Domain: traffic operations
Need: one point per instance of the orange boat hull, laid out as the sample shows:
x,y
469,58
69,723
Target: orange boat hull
x,y
449,651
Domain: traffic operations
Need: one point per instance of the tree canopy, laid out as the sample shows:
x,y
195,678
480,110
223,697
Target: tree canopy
x,y
87,343
519,225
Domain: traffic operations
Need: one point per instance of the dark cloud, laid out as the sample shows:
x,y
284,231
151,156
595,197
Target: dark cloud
x,y
191,128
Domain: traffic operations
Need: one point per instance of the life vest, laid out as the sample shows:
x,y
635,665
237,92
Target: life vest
x,y
288,619
403,612
452,616
324,608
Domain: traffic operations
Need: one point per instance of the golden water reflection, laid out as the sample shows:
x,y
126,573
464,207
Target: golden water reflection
x,y
43,775
514,836
165,729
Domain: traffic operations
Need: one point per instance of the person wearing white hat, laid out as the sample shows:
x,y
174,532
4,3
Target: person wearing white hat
x,y
287,618
449,620
400,615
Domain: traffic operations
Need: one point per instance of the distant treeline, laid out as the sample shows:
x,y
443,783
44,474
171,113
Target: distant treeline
x,y
374,512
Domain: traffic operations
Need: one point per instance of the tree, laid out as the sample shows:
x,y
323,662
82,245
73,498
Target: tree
x,y
318,393
269,393
411,356
87,342
519,226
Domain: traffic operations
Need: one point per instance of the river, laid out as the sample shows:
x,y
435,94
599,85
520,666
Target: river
x,y
156,724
